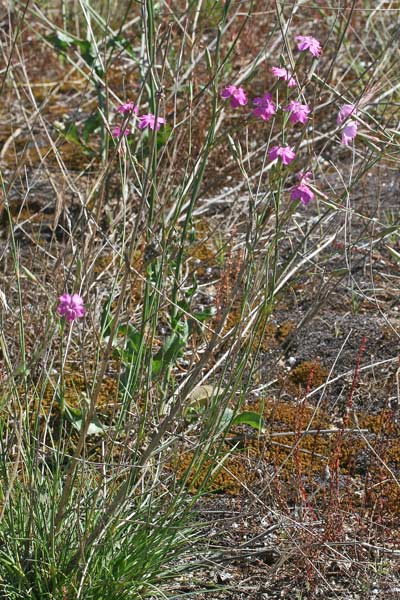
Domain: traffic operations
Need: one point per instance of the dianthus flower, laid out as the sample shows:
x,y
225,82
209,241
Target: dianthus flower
x,y
128,107
237,95
150,121
282,73
299,112
71,307
301,191
117,131
349,132
345,112
285,153
265,107
307,42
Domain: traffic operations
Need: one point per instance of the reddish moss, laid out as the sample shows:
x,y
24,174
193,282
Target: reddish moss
x,y
284,329
307,454
309,373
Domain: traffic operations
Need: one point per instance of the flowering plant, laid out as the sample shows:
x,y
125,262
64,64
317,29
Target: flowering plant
x,y
281,73
71,307
298,112
265,107
150,121
307,42
237,96
301,191
285,153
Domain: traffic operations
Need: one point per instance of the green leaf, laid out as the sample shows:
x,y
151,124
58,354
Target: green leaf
x,y
63,41
89,54
168,353
163,135
106,318
93,123
129,352
124,381
388,231
156,366
87,49
205,314
60,40
132,336
252,419
339,272
118,41
172,349
225,419
71,134
75,417
394,253
134,340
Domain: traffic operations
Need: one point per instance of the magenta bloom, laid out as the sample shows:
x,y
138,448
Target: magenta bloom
x,y
282,73
237,96
285,153
349,132
265,107
299,112
71,307
301,191
128,107
150,121
345,112
117,131
307,42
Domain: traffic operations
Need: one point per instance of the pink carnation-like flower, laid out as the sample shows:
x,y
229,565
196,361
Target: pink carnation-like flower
x,y
117,131
285,153
345,112
350,128
265,107
128,107
149,120
301,191
282,73
71,307
307,42
237,96
299,112
349,132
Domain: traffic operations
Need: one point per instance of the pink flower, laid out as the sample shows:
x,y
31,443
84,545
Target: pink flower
x,y
301,191
117,131
71,307
285,153
150,121
345,112
349,132
298,112
128,107
282,73
237,95
265,107
350,128
307,42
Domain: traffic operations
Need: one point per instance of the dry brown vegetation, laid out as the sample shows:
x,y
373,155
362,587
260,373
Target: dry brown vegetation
x,y
278,310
